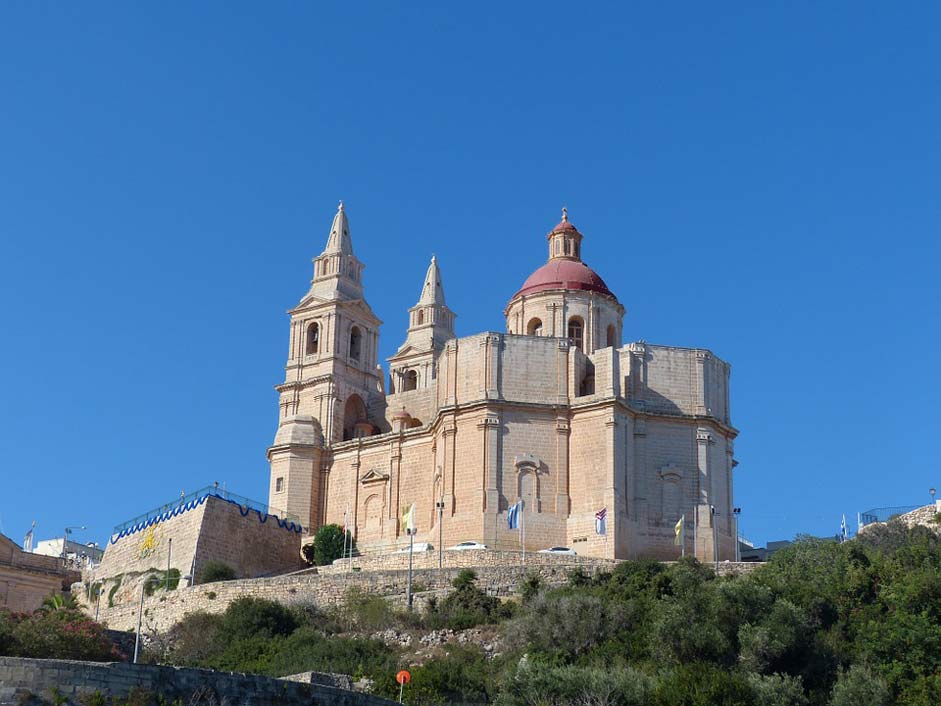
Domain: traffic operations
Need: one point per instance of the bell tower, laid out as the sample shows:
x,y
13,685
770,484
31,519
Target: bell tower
x,y
331,380
430,326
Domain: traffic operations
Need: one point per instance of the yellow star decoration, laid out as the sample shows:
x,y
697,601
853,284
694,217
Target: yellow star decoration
x,y
148,544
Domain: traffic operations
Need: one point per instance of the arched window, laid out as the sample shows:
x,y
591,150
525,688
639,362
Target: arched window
x,y
356,342
534,327
411,381
612,336
421,317
354,411
313,338
575,331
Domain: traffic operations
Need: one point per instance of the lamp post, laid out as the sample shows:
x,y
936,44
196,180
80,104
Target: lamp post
x,y
715,536
932,491
65,538
736,511
440,505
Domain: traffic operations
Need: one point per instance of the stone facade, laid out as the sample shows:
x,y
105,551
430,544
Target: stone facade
x,y
26,579
214,529
20,678
554,411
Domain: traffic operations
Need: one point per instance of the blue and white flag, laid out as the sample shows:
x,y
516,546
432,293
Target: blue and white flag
x,y
843,529
513,515
601,521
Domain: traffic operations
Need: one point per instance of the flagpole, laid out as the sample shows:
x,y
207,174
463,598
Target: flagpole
x,y
411,549
523,528
345,520
683,538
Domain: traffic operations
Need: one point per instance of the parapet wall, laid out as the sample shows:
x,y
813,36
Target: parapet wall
x,y
210,529
76,679
161,611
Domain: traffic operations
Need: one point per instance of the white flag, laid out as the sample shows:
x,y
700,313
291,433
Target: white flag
x,y
28,539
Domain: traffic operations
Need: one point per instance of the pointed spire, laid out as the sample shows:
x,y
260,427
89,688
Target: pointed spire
x,y
433,290
339,240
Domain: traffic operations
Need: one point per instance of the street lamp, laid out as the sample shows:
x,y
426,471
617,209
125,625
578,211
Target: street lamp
x,y
736,511
65,538
932,492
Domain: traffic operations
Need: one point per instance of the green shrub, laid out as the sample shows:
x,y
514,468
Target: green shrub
x,y
159,581
564,624
536,683
702,684
7,638
113,590
329,544
777,690
859,686
369,612
462,676
307,649
249,617
194,640
215,570
530,586
61,635
466,606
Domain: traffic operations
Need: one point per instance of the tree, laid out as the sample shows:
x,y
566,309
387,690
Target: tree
x,y
859,686
329,544
57,602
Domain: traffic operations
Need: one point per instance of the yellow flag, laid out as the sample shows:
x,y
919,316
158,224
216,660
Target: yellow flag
x,y
408,519
678,531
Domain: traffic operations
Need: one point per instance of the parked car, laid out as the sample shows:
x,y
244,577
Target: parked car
x,y
559,550
466,545
419,547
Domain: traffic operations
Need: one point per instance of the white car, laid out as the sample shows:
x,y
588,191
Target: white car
x,y
559,550
419,547
463,546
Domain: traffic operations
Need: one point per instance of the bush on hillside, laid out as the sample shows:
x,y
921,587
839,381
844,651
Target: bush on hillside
x,y
466,606
215,570
250,617
55,634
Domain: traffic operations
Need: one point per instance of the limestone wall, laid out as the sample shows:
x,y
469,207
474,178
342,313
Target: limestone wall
x,y
498,573
212,530
75,679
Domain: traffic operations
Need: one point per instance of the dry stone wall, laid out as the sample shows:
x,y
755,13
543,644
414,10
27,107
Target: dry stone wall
x,y
21,677
162,611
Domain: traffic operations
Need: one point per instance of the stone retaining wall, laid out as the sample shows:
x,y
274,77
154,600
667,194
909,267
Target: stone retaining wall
x,y
73,679
162,611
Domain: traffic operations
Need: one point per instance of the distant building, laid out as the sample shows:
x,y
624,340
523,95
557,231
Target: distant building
x,y
82,554
26,579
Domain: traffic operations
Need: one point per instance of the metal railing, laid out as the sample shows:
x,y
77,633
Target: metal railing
x,y
196,495
884,514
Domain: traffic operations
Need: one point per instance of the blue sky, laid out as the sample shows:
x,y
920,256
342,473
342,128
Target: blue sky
x,y
761,180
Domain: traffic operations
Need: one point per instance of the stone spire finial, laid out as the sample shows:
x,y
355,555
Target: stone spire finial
x,y
433,290
339,239
565,213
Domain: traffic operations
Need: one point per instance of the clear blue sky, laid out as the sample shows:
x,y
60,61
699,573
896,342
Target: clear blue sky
x,y
761,181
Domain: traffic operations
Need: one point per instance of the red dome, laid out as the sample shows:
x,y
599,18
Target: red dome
x,y
564,225
564,274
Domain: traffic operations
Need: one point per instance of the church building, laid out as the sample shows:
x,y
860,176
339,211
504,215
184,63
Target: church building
x,y
556,411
